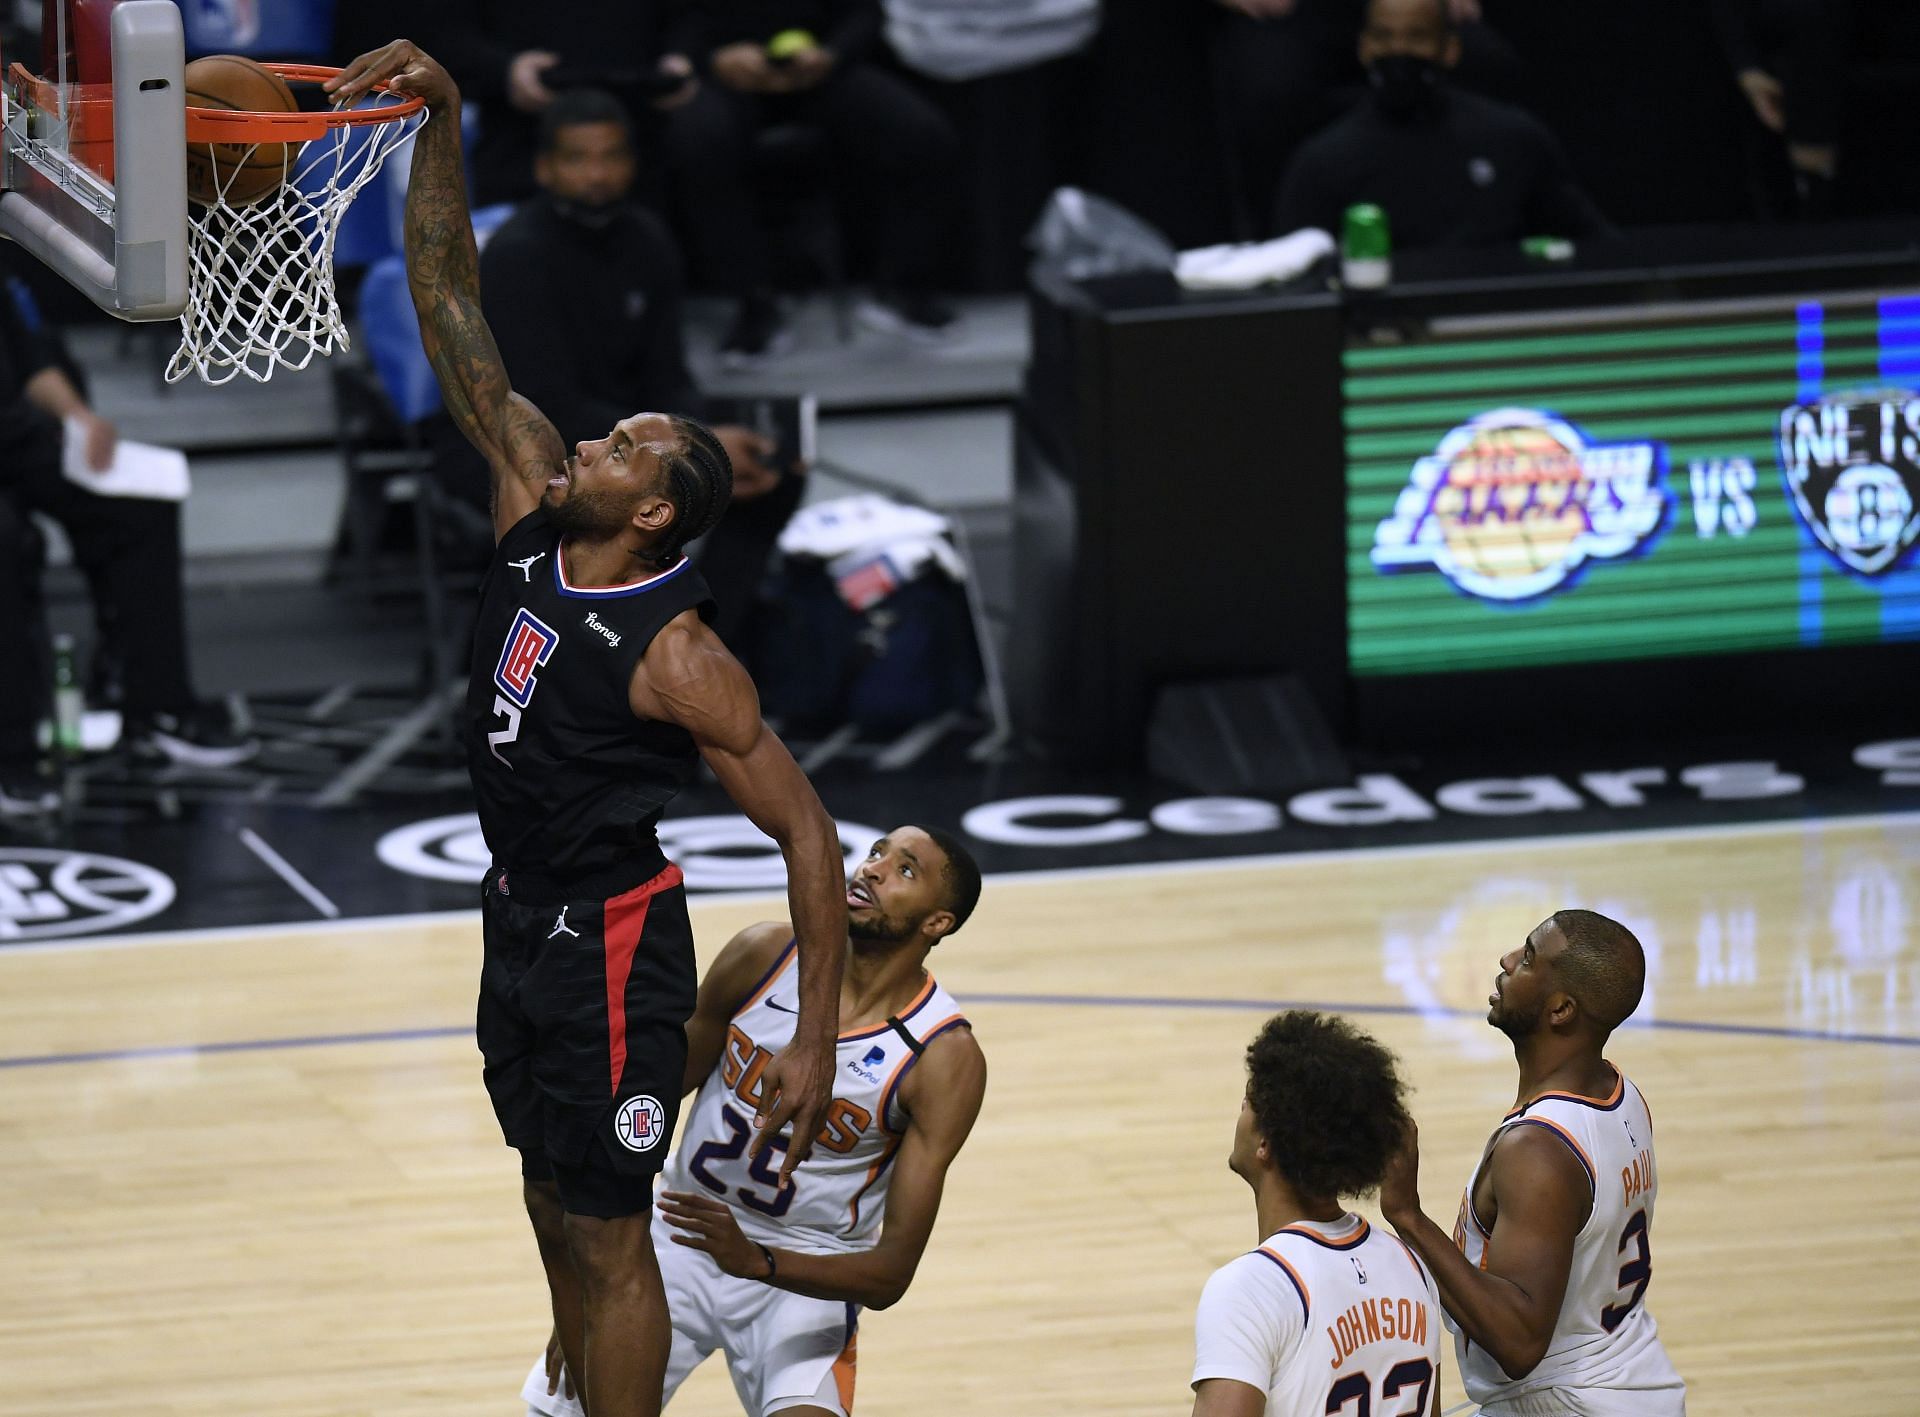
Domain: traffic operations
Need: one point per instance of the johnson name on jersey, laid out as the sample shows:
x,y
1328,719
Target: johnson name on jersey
x,y
1337,1317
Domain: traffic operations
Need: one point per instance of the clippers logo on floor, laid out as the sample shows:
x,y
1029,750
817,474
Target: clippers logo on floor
x,y
529,644
1512,504
1852,464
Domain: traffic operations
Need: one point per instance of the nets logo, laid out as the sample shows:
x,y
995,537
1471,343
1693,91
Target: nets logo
x,y
529,644
1514,503
1852,465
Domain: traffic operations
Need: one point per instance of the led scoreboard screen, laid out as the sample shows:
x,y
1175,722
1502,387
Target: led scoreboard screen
x,y
1685,482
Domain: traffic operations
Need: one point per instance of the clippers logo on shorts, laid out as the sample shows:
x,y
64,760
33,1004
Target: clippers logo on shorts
x,y
1514,503
529,645
641,1123
1852,465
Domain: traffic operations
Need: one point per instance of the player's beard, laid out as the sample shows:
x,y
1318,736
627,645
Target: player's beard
x,y
597,515
876,928
1515,1023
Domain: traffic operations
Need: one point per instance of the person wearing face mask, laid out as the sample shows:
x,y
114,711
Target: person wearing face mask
x,y
1450,168
583,289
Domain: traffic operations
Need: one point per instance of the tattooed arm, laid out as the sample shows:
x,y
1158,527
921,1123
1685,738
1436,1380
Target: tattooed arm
x,y
443,270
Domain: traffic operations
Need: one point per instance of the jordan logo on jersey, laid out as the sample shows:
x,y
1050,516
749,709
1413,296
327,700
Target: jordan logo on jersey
x,y
525,568
529,645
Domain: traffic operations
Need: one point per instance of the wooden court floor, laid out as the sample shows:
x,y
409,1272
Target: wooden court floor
x,y
270,1183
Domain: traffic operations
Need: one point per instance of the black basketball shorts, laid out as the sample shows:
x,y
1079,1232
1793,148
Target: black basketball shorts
x,y
582,1029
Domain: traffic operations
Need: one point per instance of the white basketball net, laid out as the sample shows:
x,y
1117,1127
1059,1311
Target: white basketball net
x,y
260,291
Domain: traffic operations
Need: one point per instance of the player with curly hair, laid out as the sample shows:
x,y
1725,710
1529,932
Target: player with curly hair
x,y
1330,1314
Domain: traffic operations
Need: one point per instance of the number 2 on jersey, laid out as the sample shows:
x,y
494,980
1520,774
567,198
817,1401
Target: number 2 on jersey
x,y
1636,1271
1356,1390
761,1169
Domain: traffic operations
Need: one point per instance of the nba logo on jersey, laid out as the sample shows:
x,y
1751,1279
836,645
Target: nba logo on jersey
x,y
529,645
640,1123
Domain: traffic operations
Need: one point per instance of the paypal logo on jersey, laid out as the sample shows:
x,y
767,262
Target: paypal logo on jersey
x,y
864,1067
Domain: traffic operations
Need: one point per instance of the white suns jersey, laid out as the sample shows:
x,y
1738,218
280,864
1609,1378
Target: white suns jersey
x,y
1605,1344
834,1200
1337,1317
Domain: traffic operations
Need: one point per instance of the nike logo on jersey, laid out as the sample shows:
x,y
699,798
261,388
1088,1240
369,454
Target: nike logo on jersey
x,y
779,1007
525,568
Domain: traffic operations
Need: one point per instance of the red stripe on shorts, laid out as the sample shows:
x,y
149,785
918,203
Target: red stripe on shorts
x,y
624,919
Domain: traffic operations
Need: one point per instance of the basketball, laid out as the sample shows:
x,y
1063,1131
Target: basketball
x,y
244,173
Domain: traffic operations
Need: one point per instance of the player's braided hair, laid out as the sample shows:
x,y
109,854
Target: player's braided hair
x,y
699,478
1327,1101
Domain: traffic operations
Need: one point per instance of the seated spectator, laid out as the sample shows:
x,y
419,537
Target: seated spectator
x,y
1790,59
511,59
1449,168
583,290
878,130
129,550
1286,68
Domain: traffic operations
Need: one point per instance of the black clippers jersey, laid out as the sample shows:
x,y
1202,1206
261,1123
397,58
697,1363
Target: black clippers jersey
x,y
569,782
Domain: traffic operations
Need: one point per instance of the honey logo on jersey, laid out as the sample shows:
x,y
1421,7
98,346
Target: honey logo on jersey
x,y
1514,503
1852,466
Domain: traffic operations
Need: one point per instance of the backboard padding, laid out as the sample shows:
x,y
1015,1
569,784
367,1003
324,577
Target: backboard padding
x,y
93,155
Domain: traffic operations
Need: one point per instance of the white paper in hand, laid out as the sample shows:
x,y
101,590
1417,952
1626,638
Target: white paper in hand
x,y
137,470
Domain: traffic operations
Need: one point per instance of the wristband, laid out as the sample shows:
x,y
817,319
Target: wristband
x,y
772,1268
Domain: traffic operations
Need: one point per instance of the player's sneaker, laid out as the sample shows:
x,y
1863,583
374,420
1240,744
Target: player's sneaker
x,y
26,792
759,332
201,737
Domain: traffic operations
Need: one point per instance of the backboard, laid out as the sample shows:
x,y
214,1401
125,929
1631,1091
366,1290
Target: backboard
x,y
92,176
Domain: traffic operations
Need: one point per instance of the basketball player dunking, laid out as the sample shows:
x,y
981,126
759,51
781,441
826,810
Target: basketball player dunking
x,y
1330,1314
596,691
1545,1274
772,1271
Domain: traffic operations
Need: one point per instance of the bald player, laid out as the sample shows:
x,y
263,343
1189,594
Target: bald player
x,y
1544,1277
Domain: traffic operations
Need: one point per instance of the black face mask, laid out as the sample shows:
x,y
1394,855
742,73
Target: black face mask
x,y
1404,85
593,216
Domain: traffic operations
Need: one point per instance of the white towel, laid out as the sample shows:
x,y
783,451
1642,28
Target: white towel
x,y
1242,265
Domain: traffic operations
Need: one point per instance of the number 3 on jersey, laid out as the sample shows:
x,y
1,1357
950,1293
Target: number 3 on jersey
x,y
529,644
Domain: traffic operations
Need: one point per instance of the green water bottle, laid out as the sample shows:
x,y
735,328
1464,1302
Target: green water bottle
x,y
1366,248
69,707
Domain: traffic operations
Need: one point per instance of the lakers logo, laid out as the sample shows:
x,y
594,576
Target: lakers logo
x,y
1514,503
1852,464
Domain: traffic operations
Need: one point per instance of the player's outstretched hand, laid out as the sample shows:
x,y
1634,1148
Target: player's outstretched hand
x,y
404,67
795,1090
1400,1187
707,1224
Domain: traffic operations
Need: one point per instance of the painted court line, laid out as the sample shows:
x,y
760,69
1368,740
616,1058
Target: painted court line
x,y
284,869
1044,875
1085,1001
